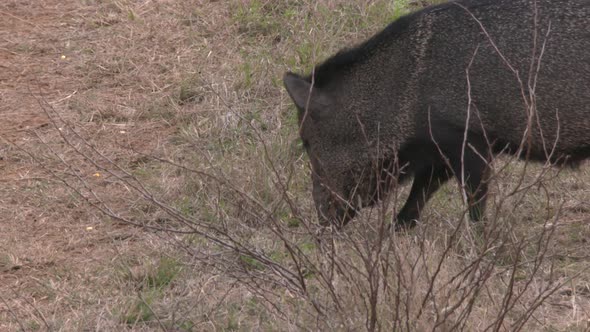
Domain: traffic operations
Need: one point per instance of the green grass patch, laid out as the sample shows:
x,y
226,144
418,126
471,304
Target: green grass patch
x,y
163,273
139,310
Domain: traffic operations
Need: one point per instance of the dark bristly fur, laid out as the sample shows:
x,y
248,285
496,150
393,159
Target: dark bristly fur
x,y
505,74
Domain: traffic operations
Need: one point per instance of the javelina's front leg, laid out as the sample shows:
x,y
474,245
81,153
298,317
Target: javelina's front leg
x,y
474,171
426,182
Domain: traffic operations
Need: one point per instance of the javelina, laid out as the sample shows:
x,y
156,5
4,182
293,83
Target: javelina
x,y
437,93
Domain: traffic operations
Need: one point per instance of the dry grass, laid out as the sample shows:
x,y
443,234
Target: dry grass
x,y
170,117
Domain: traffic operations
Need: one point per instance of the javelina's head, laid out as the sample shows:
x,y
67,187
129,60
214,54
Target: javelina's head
x,y
335,150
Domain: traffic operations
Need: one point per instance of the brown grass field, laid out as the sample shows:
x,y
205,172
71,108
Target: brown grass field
x,y
151,178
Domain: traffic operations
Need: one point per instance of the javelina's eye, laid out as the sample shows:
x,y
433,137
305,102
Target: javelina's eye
x,y
305,144
300,144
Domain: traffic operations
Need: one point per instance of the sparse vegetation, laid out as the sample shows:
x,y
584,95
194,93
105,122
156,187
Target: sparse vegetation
x,y
153,179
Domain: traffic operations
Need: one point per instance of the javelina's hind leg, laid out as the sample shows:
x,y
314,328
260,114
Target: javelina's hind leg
x,y
426,182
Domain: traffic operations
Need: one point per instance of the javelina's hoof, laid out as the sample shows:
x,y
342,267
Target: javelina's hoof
x,y
404,225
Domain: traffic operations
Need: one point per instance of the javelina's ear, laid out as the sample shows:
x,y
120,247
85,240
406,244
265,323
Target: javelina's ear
x,y
299,90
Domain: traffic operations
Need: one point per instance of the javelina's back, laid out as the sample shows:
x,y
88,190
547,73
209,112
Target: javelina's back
x,y
514,49
521,56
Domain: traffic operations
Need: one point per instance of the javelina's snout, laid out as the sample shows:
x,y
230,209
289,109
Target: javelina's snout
x,y
331,213
332,209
